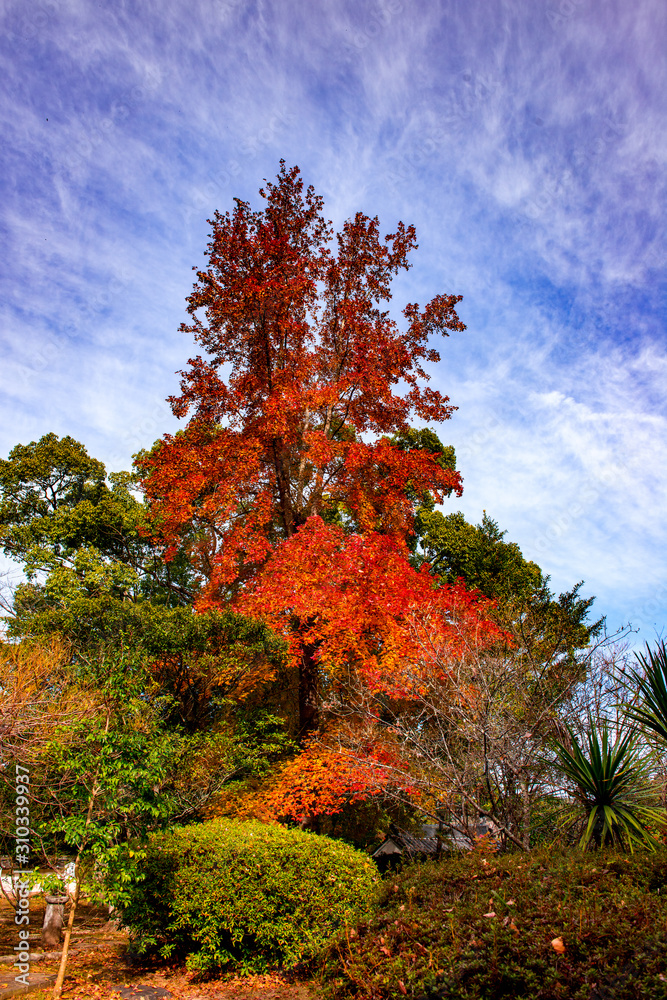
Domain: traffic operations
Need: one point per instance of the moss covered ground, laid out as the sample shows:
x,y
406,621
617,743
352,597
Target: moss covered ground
x,y
541,926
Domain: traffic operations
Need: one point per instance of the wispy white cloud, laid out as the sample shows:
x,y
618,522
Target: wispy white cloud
x,y
527,144
577,473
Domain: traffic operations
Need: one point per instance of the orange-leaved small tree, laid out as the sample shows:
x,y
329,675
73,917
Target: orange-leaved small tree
x,y
385,635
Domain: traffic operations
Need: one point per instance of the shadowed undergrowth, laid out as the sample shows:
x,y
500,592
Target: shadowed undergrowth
x,y
539,926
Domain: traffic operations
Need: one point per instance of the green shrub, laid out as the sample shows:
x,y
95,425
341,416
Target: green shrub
x,y
243,895
473,929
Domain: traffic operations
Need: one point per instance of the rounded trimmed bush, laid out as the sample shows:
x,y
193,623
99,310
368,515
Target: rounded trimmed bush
x,y
246,895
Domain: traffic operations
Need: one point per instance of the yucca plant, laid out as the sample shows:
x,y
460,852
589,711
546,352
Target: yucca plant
x,y
610,783
651,713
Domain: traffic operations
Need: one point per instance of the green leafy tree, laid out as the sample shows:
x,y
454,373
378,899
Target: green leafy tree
x,y
478,553
203,662
96,577
108,778
80,534
114,767
543,628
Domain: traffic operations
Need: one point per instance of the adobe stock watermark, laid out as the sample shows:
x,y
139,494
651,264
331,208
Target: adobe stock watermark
x,y
143,433
219,181
47,355
552,191
647,612
479,439
593,490
471,91
604,132
37,18
227,6
563,11
22,885
91,138
374,24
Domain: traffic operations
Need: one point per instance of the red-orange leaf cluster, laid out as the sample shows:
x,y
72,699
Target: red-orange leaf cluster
x,y
302,363
321,780
360,604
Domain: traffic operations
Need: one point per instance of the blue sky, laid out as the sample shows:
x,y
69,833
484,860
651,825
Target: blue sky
x,y
525,141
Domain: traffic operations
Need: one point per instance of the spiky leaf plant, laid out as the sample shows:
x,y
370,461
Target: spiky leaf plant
x,y
610,782
651,712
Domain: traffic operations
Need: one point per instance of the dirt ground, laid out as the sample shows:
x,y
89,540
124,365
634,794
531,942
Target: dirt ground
x,y
89,923
98,969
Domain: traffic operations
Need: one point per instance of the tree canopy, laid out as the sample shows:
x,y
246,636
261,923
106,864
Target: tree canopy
x,y
61,515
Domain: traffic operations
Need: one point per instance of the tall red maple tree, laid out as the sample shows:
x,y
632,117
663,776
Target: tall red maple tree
x,y
303,379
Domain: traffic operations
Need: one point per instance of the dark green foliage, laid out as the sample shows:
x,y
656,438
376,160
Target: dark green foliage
x,y
431,935
60,516
477,553
199,660
130,763
245,896
94,622
97,577
541,626
39,482
84,540
364,825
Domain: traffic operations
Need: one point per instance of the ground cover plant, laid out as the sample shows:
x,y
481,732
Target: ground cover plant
x,y
546,925
243,896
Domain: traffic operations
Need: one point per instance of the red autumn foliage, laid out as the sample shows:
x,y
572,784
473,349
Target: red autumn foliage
x,y
321,780
304,376
302,362
371,621
360,604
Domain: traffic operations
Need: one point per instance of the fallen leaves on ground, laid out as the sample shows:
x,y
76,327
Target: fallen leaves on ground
x,y
103,975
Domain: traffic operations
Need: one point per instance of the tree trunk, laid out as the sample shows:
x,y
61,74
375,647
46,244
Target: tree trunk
x,y
308,707
58,988
52,928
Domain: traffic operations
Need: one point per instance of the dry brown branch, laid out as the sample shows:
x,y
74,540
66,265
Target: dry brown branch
x,y
473,735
